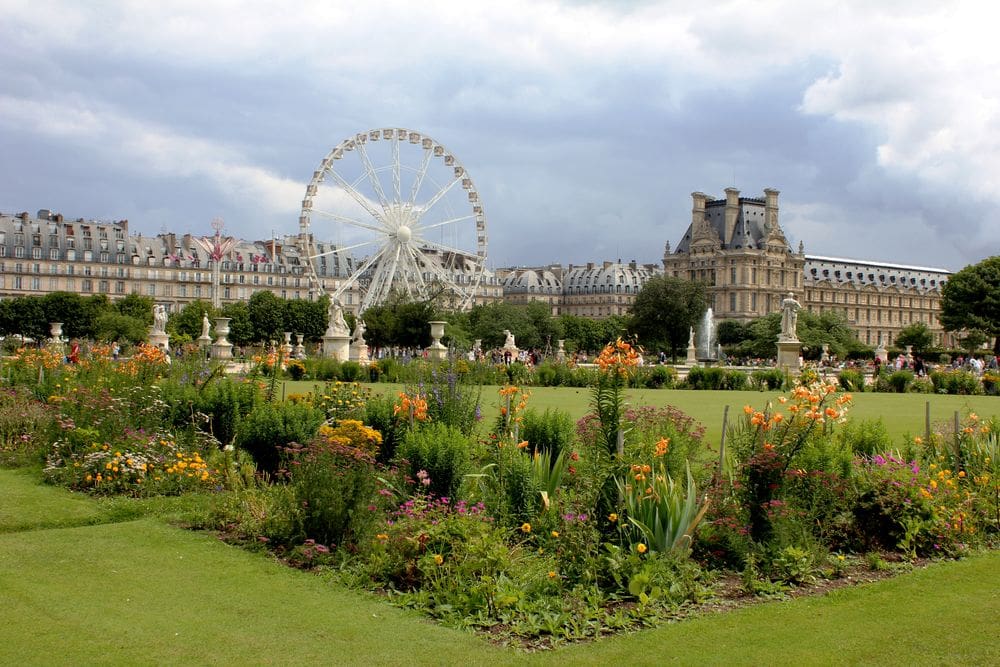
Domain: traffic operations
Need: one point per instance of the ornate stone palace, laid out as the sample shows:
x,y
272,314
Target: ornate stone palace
x,y
735,245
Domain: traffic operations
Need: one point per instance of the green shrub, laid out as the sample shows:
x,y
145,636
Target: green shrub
x,y
865,436
658,377
851,379
551,431
24,425
735,380
324,369
770,379
443,452
900,380
351,371
380,415
335,485
272,426
955,382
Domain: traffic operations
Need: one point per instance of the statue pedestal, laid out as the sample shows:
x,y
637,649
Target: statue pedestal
x,y
881,353
788,355
336,347
561,351
359,353
159,340
204,342
692,355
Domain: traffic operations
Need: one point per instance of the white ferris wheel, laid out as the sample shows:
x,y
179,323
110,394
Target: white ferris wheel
x,y
406,209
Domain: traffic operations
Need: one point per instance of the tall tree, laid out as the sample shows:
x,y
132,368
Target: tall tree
x,y
665,310
917,335
267,315
970,300
137,306
240,326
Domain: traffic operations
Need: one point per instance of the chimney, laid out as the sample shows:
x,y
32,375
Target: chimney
x,y
698,200
771,207
732,213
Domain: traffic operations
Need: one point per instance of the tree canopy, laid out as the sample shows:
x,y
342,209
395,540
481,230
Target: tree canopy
x,y
665,310
970,300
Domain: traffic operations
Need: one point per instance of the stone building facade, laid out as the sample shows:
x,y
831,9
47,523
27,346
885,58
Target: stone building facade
x,y
588,290
737,247
47,253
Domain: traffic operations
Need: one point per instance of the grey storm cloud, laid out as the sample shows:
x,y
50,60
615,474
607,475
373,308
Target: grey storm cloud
x,y
585,125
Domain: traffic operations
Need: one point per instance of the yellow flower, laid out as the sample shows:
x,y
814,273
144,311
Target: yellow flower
x,y
552,574
555,533
612,517
525,527
438,559
641,548
381,536
918,440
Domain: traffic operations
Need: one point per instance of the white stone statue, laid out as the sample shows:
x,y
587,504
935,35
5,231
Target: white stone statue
x,y
358,338
509,340
789,317
205,326
159,319
337,324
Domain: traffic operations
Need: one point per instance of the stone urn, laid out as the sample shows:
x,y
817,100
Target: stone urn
x,y
436,351
222,348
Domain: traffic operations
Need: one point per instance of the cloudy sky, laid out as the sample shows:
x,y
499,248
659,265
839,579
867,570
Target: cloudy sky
x,y
585,125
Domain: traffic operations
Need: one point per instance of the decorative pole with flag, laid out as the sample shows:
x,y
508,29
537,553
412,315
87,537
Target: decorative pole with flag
x,y
216,246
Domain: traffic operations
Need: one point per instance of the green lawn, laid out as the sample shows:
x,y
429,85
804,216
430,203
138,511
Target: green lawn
x,y
144,592
902,414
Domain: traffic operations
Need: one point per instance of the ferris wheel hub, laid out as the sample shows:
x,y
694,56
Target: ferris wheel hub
x,y
404,234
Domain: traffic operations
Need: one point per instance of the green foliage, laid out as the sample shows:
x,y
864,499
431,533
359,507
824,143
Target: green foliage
x,y
732,332
851,379
770,379
269,427
955,382
240,325
187,321
970,300
551,431
715,378
665,310
662,514
335,485
111,326
24,424
266,316
443,452
917,334
900,381
866,437
137,306
379,413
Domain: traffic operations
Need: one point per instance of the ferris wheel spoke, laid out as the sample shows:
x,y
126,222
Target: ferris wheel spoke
x,y
419,179
395,169
348,221
372,176
447,222
436,198
418,274
384,276
344,248
445,248
356,196
442,274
